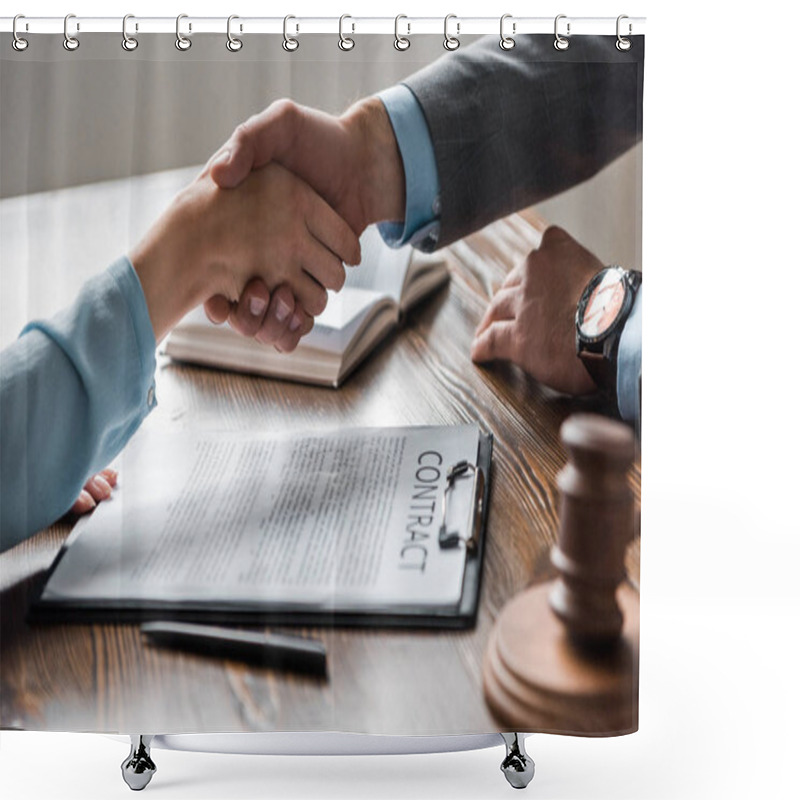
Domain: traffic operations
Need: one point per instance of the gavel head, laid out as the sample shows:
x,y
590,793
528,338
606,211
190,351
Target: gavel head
x,y
596,525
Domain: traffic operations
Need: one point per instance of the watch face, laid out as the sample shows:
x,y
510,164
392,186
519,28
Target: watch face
x,y
605,300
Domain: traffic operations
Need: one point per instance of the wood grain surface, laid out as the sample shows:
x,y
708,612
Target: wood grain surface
x,y
104,678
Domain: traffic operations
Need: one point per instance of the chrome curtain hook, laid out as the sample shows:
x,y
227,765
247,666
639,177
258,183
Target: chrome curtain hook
x,y
233,44
451,42
290,44
70,42
182,42
18,43
345,42
507,42
129,43
560,42
401,43
623,44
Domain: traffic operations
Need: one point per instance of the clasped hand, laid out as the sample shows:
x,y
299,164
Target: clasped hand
x,y
273,239
261,246
354,163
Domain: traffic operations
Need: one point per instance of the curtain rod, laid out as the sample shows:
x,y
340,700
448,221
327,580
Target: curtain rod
x,y
402,25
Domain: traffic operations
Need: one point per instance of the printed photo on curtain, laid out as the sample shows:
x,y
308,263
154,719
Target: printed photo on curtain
x,y
321,388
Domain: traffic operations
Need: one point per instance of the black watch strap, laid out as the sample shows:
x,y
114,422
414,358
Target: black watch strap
x,y
602,371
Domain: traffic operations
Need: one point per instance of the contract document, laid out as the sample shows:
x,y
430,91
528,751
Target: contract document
x,y
339,523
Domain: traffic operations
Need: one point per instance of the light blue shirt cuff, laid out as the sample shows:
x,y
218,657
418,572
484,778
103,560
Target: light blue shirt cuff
x,y
124,274
420,226
629,365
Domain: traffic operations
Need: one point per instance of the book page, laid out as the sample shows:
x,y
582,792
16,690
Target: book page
x,y
382,268
343,520
342,318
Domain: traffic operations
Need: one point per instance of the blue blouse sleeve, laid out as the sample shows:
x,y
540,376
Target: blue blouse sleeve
x,y
73,390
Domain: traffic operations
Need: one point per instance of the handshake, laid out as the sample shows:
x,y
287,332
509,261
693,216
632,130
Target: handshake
x,y
266,228
268,225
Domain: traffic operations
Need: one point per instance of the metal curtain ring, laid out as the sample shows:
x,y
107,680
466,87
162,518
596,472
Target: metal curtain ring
x,y
623,44
345,42
129,43
507,42
290,44
233,44
181,41
18,43
451,42
70,42
401,43
560,42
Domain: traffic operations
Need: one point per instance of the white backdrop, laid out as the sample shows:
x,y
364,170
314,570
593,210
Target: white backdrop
x,y
720,601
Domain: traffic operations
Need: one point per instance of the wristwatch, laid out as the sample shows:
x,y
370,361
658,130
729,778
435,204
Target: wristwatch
x,y
603,309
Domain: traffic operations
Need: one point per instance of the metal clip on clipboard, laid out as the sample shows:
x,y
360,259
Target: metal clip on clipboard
x,y
449,539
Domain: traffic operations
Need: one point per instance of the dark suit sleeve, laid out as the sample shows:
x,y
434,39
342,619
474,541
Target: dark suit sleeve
x,y
511,128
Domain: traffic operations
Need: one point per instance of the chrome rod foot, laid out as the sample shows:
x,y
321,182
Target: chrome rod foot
x,y
517,766
138,768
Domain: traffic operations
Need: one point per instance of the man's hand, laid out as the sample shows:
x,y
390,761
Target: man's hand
x,y
352,161
531,319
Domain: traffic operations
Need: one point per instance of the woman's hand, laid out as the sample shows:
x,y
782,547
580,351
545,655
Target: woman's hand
x,y
97,489
271,318
214,241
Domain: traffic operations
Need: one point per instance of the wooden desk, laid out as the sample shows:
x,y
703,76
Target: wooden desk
x,y
103,678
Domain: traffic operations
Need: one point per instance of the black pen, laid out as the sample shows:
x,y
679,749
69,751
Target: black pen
x,y
278,650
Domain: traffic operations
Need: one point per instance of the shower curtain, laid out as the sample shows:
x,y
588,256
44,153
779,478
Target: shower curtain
x,y
142,181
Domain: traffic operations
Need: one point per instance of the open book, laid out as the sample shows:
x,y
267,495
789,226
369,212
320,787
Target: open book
x,y
340,527
375,295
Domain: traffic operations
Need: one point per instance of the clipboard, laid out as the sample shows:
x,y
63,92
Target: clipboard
x,y
463,616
